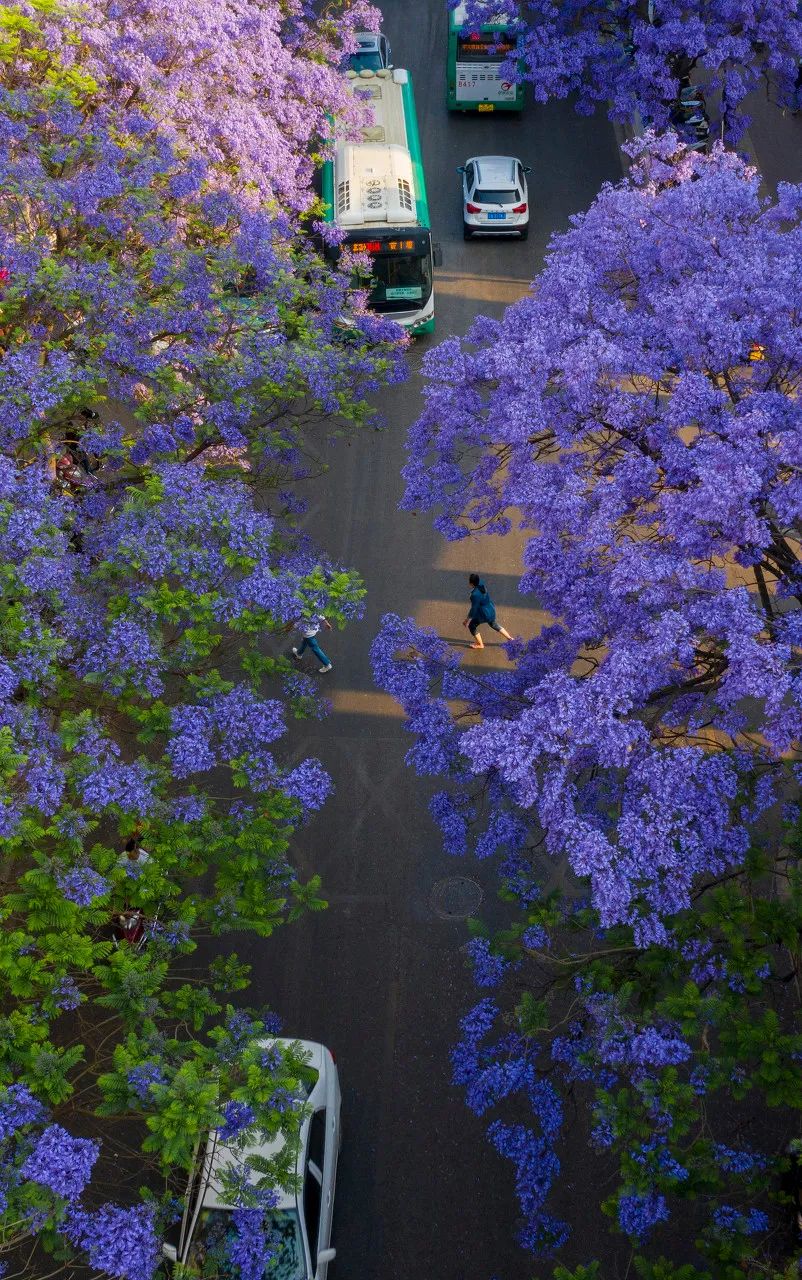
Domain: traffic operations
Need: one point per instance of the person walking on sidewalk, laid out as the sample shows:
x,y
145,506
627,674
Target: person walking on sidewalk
x,y
309,627
482,610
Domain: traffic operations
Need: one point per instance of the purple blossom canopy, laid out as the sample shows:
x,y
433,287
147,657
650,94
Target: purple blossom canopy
x,y
637,416
629,55
245,84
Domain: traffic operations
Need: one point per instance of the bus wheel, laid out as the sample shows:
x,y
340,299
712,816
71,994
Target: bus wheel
x,y
467,233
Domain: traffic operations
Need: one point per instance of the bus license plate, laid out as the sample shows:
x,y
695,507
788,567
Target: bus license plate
x,y
486,106
499,217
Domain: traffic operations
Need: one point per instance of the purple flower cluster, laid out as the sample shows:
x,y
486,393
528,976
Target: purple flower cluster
x,y
236,1117
82,885
639,1214
631,568
488,968
272,1023
144,1078
742,1161
536,1167
628,59
248,1248
61,1162
748,1222
120,1242
66,995
18,1108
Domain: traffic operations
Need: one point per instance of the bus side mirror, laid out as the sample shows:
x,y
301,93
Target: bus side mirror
x,y
527,168
460,168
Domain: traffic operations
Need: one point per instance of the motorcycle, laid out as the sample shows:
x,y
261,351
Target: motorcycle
x,y
71,477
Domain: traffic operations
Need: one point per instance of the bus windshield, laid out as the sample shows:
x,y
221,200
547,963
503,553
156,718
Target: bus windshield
x,y
489,46
401,281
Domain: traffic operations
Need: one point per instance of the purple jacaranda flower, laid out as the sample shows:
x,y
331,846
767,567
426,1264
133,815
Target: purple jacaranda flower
x,y
121,1242
731,1221
82,885
61,1162
488,968
18,1107
630,60
66,994
639,1214
236,1117
144,1077
248,1247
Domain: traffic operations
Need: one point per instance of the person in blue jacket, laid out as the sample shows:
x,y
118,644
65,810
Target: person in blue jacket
x,y
482,610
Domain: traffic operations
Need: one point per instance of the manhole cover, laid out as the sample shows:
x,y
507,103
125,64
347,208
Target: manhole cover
x,y
456,897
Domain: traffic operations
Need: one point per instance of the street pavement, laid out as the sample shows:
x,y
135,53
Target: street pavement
x,y
380,976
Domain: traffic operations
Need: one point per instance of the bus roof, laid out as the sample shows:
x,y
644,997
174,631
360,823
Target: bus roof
x,y
383,92
373,179
373,184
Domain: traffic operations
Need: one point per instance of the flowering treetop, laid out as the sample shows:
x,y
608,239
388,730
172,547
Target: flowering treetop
x,y
620,415
246,85
631,53
128,279
142,705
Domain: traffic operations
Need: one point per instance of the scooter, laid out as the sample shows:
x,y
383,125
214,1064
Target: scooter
x,y
70,475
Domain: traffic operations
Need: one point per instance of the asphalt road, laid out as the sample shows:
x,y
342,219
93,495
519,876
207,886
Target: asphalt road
x,y
379,977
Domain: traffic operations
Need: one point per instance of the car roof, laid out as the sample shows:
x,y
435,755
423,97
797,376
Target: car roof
x,y
219,1155
367,40
495,168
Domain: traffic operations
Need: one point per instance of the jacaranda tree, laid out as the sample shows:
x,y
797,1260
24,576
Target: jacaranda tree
x,y
141,709
629,55
245,84
637,416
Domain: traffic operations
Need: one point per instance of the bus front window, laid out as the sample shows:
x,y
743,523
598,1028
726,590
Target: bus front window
x,y
494,46
401,281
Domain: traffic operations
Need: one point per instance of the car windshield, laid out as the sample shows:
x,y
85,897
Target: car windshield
x,y
209,1252
367,60
484,196
288,1261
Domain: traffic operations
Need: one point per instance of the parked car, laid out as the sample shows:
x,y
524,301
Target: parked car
x,y
689,116
495,199
301,1221
373,52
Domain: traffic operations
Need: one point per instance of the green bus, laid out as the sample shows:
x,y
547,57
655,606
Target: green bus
x,y
475,57
374,190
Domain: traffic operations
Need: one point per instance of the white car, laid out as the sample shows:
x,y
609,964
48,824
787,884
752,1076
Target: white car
x,y
372,52
495,198
301,1221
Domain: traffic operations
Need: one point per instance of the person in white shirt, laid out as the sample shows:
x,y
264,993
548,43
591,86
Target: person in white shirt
x,y
133,857
309,627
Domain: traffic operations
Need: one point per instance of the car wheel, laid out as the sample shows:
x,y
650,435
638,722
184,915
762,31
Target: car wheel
x,y
524,232
467,233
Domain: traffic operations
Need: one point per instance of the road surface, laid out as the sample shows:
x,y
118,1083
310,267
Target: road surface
x,y
380,977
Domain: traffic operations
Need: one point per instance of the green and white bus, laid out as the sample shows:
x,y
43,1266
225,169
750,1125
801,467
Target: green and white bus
x,y
374,190
473,67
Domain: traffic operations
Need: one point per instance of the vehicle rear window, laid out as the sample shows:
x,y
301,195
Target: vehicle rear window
x,y
485,196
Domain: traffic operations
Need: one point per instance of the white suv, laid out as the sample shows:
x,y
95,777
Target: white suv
x,y
372,52
301,1221
495,198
